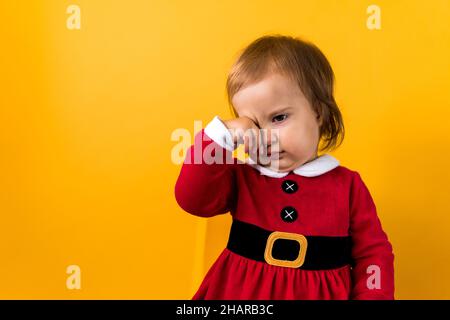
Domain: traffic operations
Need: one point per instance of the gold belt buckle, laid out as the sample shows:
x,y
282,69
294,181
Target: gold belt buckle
x,y
298,262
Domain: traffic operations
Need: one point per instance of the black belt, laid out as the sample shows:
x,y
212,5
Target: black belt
x,y
289,249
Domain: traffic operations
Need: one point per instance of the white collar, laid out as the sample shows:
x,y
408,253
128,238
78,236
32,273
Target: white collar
x,y
316,167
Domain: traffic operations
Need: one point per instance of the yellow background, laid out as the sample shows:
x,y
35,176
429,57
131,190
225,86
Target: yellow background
x,y
86,118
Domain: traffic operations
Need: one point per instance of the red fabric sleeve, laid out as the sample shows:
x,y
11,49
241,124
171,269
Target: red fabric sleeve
x,y
371,247
207,189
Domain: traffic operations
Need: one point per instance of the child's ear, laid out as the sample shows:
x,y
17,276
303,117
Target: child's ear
x,y
318,110
319,119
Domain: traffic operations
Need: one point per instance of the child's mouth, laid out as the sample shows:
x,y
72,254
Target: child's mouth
x,y
275,154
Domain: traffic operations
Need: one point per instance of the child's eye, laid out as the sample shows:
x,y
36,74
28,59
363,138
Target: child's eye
x,y
279,118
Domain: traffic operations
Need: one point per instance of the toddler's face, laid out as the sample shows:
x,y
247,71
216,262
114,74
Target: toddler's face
x,y
276,102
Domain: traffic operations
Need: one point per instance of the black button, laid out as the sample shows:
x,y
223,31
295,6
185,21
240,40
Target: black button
x,y
289,186
289,214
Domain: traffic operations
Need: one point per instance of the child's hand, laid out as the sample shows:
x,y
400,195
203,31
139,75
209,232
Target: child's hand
x,y
244,130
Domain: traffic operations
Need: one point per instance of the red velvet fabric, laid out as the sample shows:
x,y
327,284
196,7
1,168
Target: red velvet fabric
x,y
335,203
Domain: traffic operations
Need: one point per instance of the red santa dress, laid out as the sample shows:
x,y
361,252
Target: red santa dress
x,y
310,212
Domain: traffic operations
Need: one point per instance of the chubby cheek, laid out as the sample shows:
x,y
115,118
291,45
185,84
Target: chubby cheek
x,y
299,141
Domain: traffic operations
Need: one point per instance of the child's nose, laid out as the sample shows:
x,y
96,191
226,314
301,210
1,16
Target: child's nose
x,y
270,138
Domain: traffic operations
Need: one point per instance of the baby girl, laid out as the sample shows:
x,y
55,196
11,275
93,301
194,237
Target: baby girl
x,y
303,226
